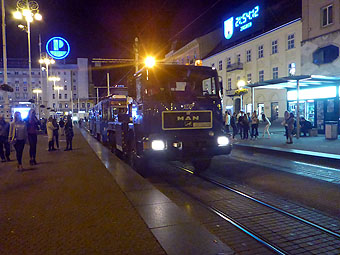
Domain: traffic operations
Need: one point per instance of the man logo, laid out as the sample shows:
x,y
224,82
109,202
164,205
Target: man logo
x,y
229,28
58,48
182,118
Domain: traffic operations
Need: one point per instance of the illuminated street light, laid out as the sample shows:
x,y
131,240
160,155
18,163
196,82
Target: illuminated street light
x,y
28,10
58,88
37,91
150,62
240,84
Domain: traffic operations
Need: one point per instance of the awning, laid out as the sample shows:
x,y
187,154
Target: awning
x,y
291,82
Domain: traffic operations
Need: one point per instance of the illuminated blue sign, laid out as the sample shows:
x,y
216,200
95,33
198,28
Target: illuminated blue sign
x,y
58,48
244,21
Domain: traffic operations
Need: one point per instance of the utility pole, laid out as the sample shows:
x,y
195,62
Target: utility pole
x,y
4,54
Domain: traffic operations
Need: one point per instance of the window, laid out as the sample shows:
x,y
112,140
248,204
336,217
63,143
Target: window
x,y
249,78
66,105
238,57
74,87
213,65
220,65
327,15
53,96
248,55
17,88
32,73
325,54
16,82
291,41
25,95
53,105
261,75
74,95
260,51
60,106
274,47
275,72
65,87
228,62
17,95
65,96
82,105
59,96
229,84
88,105
291,69
25,88
16,73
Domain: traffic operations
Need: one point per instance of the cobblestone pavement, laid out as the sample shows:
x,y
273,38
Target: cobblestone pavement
x,y
68,204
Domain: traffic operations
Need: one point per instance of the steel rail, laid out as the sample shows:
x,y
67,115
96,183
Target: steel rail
x,y
267,205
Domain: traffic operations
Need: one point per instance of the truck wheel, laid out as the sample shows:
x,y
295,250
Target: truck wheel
x,y
200,165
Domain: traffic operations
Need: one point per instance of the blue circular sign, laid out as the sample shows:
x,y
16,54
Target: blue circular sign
x,y
58,48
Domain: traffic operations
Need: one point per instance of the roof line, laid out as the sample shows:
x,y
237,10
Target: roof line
x,y
256,37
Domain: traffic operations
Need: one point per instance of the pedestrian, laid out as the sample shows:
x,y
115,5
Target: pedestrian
x,y
56,132
233,124
227,121
17,136
254,125
69,133
61,126
32,124
290,128
240,124
50,128
245,124
4,144
284,123
267,123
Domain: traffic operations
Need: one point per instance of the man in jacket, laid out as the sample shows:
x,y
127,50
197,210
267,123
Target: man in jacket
x,y
4,144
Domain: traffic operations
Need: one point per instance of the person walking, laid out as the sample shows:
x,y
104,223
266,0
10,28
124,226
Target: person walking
x,y
50,128
17,136
69,133
32,124
267,123
5,149
286,116
254,125
56,132
227,121
245,124
290,128
233,124
61,126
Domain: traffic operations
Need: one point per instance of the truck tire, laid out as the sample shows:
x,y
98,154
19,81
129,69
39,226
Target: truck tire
x,y
201,165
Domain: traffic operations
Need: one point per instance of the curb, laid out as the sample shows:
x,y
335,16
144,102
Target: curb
x,y
319,158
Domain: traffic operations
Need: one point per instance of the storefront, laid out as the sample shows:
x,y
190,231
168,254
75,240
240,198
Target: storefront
x,y
318,97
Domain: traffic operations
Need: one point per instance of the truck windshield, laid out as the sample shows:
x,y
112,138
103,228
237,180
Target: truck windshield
x,y
176,83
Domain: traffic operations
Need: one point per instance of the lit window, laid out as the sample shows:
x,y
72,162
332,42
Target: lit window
x,y
291,69
274,47
291,41
248,55
260,51
220,65
261,75
229,84
327,15
275,72
66,105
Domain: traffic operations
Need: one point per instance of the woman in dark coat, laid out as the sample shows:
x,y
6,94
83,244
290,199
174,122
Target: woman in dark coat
x,y
69,133
32,124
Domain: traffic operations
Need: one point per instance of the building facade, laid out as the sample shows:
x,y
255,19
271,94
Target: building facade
x,y
267,56
71,95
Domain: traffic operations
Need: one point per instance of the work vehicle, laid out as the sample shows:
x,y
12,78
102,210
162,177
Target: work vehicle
x,y
173,112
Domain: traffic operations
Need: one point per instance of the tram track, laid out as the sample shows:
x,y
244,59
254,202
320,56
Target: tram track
x,y
286,233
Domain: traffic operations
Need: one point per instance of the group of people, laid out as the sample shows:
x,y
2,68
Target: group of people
x,y
19,131
244,124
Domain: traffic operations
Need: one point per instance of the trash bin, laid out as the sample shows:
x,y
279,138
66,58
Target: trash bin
x,y
331,130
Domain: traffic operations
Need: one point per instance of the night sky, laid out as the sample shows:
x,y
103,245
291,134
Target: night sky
x,y
106,29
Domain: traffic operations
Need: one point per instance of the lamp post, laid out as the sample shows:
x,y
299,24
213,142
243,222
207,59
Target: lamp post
x,y
29,10
240,85
58,88
37,91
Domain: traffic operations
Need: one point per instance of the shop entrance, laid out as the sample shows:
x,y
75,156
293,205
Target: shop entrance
x,y
274,111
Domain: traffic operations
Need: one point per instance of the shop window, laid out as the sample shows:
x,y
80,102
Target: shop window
x,y
325,55
291,69
327,15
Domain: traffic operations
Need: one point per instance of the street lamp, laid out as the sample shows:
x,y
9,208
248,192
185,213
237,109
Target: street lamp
x,y
29,10
47,61
37,91
240,85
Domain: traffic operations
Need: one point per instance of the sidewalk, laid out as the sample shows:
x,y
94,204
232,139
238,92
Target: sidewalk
x,y
68,204
87,201
307,146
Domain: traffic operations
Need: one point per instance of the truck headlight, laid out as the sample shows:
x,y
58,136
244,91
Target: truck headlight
x,y
222,141
158,145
